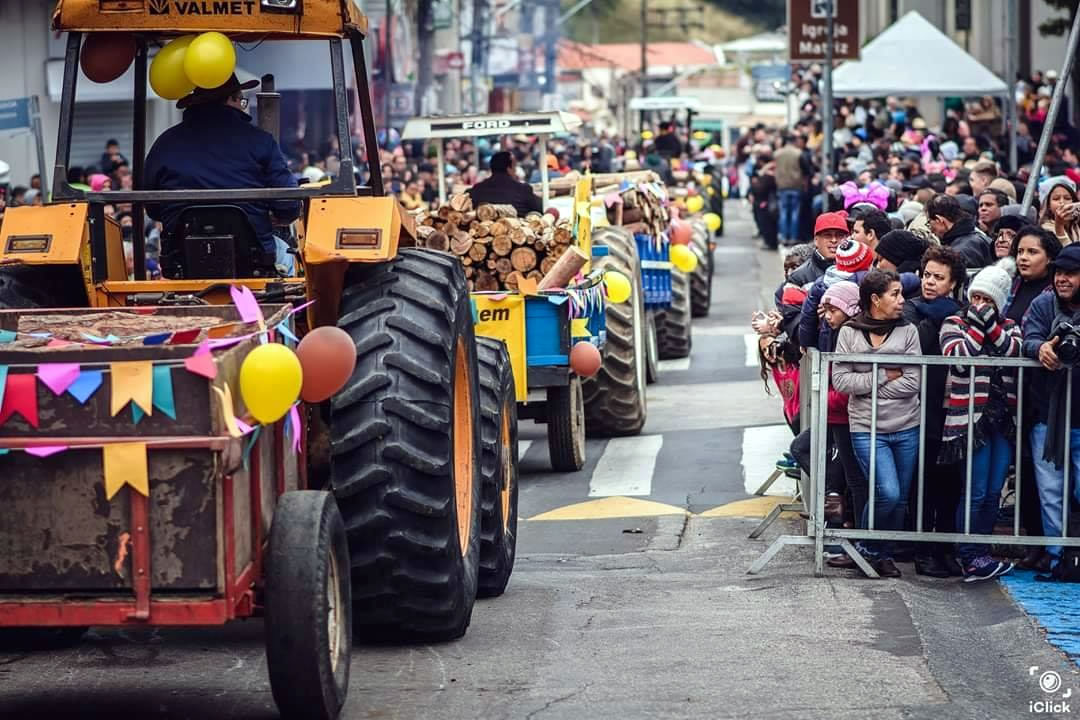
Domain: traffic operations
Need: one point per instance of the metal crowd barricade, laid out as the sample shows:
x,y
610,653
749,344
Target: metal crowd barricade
x,y
800,503
818,535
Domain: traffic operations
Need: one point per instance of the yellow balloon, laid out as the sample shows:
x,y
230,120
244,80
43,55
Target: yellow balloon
x,y
712,221
694,203
270,380
618,286
167,76
683,258
210,60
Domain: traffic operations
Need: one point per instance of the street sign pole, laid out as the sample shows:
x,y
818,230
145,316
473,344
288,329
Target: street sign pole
x,y
827,107
39,139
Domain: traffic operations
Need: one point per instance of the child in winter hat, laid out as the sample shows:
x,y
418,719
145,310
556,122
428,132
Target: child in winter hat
x,y
995,282
844,296
853,256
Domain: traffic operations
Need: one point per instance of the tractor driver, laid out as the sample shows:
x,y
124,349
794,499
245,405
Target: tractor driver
x,y
502,188
216,146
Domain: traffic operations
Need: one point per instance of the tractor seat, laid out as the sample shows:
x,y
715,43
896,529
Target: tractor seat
x,y
212,242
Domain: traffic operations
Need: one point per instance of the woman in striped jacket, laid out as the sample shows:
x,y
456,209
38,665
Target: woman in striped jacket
x,y
981,330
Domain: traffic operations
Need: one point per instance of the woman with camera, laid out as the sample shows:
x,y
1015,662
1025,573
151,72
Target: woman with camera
x,y
981,330
1060,209
880,328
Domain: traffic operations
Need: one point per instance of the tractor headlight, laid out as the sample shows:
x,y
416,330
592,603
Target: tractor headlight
x,y
291,7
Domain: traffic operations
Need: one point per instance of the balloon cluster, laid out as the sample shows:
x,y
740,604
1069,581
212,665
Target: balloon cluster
x,y
272,376
205,61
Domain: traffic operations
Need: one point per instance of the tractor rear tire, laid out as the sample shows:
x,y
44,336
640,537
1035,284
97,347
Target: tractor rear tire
x,y
498,467
566,426
615,403
673,334
701,278
405,448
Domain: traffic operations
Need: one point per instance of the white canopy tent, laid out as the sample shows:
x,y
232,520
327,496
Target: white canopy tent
x,y
913,58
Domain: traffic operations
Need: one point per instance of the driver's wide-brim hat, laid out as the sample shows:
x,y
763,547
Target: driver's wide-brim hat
x,y
201,96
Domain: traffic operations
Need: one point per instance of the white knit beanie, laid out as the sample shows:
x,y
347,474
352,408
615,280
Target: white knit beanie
x,y
995,281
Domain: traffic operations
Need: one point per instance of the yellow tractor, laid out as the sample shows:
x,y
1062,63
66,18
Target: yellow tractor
x,y
401,445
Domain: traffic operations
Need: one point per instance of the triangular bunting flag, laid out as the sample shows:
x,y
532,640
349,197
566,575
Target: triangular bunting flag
x,y
58,377
7,336
3,382
294,428
163,390
579,327
159,339
20,396
132,381
283,328
229,415
250,444
202,364
43,451
86,385
246,304
125,464
185,337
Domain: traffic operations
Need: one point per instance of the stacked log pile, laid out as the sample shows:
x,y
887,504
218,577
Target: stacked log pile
x,y
496,247
642,210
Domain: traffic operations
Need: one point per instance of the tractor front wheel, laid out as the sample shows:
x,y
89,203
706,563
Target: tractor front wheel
x,y
405,448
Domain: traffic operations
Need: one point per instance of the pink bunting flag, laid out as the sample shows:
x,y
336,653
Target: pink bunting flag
x,y
294,425
202,362
57,343
305,306
246,304
58,377
43,451
244,427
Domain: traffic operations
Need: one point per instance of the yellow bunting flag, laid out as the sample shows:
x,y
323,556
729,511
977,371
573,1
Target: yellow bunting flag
x,y
528,286
125,464
225,397
579,327
132,381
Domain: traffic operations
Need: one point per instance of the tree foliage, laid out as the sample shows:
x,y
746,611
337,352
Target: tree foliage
x,y
1061,25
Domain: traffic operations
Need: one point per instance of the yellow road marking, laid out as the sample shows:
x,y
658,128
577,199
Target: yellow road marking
x,y
751,507
610,507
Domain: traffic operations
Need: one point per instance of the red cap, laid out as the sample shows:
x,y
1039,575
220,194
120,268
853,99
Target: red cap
x,y
831,221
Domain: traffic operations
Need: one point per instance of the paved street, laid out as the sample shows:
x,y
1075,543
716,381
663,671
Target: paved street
x,y
630,597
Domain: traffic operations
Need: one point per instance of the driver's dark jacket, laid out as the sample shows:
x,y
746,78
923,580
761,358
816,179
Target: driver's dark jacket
x,y
217,147
1038,327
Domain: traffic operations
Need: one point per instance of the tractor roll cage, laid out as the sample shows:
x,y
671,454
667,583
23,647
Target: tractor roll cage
x,y
344,184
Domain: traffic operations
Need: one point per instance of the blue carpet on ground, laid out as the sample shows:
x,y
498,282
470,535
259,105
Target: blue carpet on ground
x,y
1054,605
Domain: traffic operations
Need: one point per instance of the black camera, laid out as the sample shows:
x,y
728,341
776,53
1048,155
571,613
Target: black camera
x,y
1068,347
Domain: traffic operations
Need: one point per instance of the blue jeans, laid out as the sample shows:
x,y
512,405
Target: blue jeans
x,y
1051,483
989,466
790,202
894,470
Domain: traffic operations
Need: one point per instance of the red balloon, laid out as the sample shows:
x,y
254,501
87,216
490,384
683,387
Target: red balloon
x,y
106,56
681,233
585,359
328,357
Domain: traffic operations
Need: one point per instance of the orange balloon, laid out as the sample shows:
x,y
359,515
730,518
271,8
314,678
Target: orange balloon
x,y
106,56
681,233
585,359
328,357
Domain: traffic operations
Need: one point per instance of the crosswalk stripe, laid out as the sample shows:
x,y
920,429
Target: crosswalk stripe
x,y
761,447
626,467
751,342
678,364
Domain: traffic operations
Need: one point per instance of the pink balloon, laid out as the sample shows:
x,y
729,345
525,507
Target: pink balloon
x,y
681,233
328,357
585,359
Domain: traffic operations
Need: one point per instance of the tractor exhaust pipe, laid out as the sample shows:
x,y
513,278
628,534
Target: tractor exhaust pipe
x,y
269,104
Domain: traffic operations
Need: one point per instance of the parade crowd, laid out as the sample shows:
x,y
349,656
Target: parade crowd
x,y
918,245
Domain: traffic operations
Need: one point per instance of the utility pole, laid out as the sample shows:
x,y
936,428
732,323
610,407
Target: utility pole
x,y
827,104
1010,79
477,59
644,56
